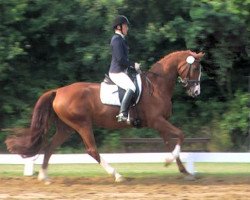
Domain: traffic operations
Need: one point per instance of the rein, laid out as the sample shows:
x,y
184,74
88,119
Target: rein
x,y
149,82
185,82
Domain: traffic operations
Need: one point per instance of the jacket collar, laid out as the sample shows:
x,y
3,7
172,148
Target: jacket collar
x,y
119,33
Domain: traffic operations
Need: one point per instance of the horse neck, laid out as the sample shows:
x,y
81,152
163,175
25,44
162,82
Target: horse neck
x,y
166,70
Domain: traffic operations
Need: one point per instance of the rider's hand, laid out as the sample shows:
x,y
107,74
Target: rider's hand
x,y
138,67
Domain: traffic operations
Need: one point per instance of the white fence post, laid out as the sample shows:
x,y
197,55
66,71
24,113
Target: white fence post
x,y
28,167
190,163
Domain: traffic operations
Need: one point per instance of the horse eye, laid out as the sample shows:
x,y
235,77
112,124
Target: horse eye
x,y
197,67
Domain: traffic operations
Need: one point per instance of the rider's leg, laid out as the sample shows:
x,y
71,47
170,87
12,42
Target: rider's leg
x,y
123,115
122,80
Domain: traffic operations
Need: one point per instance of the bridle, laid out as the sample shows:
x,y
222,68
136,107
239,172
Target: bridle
x,y
187,82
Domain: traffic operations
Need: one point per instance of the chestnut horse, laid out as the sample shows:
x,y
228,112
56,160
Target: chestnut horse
x,y
78,107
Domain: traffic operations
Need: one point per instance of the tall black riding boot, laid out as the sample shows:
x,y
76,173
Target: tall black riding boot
x,y
123,115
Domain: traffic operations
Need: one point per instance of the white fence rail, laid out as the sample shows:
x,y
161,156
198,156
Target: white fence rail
x,y
188,158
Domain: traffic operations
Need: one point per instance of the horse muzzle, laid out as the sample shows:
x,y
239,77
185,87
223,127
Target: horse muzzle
x,y
194,91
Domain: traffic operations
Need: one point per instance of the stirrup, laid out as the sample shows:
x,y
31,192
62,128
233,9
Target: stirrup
x,y
122,118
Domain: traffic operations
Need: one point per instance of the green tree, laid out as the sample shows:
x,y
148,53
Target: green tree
x,y
46,44
11,41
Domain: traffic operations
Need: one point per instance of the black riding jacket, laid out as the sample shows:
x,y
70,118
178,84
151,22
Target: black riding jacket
x,y
120,61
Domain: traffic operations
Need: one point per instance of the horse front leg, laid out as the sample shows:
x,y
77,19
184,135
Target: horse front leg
x,y
166,130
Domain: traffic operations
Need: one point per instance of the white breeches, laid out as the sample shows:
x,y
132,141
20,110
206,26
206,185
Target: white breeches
x,y
122,80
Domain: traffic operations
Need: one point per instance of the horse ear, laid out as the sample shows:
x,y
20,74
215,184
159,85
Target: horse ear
x,y
201,54
197,55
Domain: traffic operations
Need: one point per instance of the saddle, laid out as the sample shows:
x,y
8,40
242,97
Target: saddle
x,y
111,94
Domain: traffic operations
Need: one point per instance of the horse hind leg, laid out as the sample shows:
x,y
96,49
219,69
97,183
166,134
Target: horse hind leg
x,y
88,137
61,135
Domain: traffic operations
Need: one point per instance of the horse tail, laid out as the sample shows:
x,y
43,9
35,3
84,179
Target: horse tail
x,y
30,141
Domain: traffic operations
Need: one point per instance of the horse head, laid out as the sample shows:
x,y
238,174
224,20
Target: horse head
x,y
189,70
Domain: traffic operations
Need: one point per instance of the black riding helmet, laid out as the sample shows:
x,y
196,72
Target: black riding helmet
x,y
119,20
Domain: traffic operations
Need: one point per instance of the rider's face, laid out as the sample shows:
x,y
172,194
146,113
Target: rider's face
x,y
125,29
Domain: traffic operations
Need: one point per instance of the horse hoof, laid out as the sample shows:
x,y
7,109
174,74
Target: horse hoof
x,y
42,175
47,182
169,160
190,177
41,178
120,179
167,164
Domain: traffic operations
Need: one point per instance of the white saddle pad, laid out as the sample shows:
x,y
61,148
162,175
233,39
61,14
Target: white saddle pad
x,y
109,93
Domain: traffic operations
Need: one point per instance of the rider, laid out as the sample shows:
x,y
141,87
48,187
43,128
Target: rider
x,y
120,62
